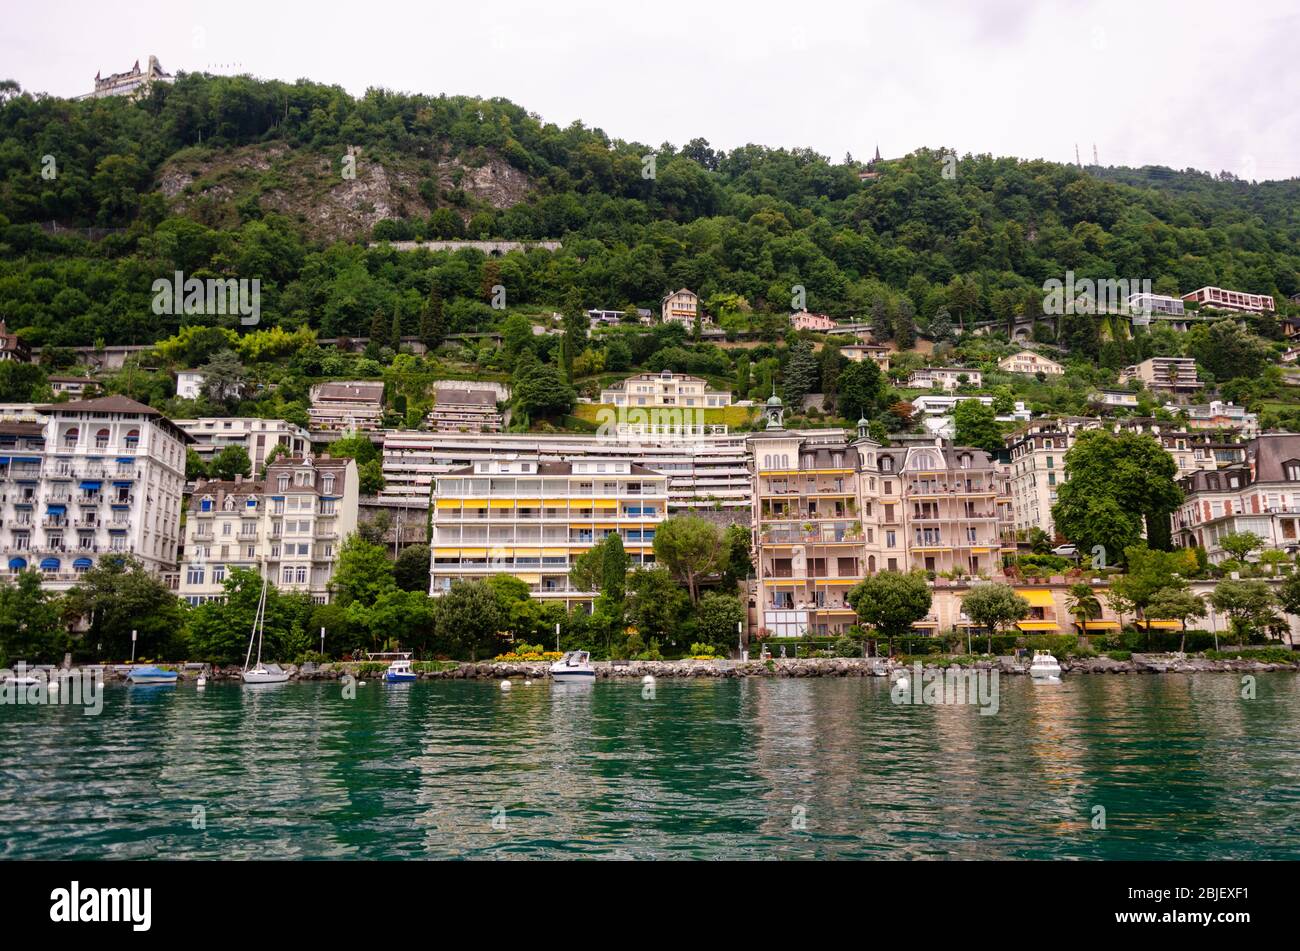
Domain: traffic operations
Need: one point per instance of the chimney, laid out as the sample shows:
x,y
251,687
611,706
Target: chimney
x,y
238,478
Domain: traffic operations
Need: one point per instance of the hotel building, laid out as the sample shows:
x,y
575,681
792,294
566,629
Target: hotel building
x,y
1168,374
532,519
87,478
465,410
289,526
350,405
1230,300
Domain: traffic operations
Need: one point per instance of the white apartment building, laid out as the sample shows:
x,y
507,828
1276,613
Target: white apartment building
x,y
532,519
189,384
1156,304
348,404
1030,363
1218,414
949,378
257,437
1231,300
465,409
1169,374
88,478
936,412
288,526
706,466
665,389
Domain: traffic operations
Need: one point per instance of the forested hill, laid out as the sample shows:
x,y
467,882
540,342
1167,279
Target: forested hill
x,y
240,178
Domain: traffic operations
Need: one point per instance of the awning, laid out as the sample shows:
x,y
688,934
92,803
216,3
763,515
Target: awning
x,y
55,509
81,564
4,460
126,460
1100,625
17,564
1162,624
449,503
122,485
1037,625
1037,597
530,579
446,552
528,503
554,552
27,460
502,503
473,552
528,553
91,485
50,564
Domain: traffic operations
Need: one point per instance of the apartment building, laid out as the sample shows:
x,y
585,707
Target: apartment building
x,y
706,466
76,387
1037,461
1218,414
665,389
1030,363
1164,374
948,378
465,410
802,320
936,412
348,404
288,526
87,478
1230,300
680,307
1260,495
877,353
257,437
1156,304
829,510
533,519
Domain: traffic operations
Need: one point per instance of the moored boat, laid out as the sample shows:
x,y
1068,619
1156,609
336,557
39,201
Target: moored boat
x,y
573,667
151,676
1044,666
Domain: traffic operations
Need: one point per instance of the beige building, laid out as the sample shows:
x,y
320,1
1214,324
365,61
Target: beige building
x,y
134,83
532,519
1030,363
460,409
289,526
349,404
87,478
803,320
829,510
1165,374
257,437
666,389
857,352
681,307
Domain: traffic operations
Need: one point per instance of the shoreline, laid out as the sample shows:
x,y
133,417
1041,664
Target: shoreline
x,y
784,668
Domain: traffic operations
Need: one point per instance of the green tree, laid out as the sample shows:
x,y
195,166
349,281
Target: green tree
x,y
977,426
1117,482
994,606
219,631
362,572
861,390
1083,603
655,603
891,602
1241,544
740,563
119,595
1177,605
411,569
1249,604
802,374
692,549
230,462
717,617
1147,572
1227,350
471,616
30,627
224,379
195,467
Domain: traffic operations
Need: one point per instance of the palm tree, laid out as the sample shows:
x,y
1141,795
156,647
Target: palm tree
x,y
1082,603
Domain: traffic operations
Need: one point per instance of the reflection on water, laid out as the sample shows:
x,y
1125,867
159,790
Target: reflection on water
x,y
1182,766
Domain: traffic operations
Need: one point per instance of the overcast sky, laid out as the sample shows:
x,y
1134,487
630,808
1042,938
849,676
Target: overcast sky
x,y
1200,84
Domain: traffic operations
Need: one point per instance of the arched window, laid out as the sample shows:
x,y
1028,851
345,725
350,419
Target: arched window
x,y
133,439
101,439
70,438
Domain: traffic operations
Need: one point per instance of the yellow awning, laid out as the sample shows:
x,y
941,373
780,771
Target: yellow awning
x,y
1036,625
605,503
473,552
1037,597
606,525
784,583
449,503
528,503
503,503
555,503
554,552
1163,625
446,552
1101,625
528,553
530,579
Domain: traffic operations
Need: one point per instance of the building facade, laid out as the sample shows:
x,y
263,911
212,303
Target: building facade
x,y
134,83
1230,300
948,378
803,320
89,478
1030,363
665,389
257,437
1164,374
288,527
680,307
351,405
533,519
12,346
458,409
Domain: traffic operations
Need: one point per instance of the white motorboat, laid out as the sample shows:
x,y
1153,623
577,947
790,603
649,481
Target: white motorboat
x,y
573,667
1045,667
261,673
399,671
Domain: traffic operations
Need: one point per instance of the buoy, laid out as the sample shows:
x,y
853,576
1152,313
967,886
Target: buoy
x,y
202,681
648,679
361,683
528,683
505,685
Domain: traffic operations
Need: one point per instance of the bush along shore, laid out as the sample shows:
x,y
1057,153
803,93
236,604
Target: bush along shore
x,y
785,667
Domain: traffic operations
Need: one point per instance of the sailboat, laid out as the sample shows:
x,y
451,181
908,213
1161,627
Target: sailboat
x,y
261,673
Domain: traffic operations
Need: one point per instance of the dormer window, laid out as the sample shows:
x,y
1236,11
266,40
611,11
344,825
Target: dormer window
x,y
1292,469
327,484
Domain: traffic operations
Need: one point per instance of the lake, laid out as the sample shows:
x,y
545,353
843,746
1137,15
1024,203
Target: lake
x,y
1182,766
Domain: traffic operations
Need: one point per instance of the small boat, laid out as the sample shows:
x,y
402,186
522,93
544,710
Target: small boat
x,y
151,676
261,673
573,667
1045,667
13,680
399,671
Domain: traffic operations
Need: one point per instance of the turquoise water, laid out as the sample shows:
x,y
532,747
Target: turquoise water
x,y
755,768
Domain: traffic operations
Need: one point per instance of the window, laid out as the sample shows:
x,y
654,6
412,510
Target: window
x,y
101,439
70,438
1292,470
194,574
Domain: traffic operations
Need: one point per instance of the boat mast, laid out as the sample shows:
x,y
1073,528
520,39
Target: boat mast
x,y
261,621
